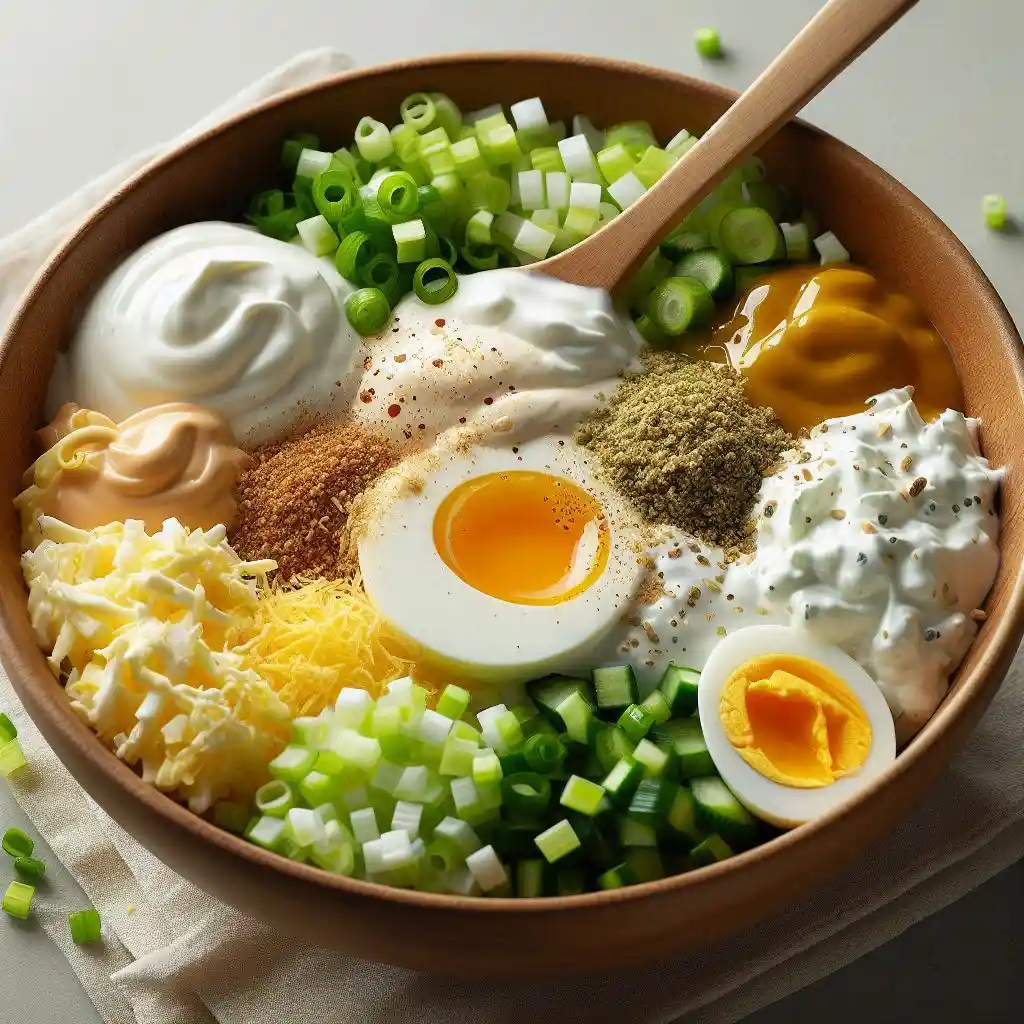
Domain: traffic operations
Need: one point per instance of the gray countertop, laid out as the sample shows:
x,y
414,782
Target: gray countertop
x,y
937,103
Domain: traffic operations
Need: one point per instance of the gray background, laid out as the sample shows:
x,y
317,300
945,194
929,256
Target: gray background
x,y
84,83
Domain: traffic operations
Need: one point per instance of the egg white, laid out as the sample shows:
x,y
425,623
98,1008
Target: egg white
x,y
788,806
483,636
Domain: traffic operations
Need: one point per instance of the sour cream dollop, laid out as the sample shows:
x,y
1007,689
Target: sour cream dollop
x,y
217,315
881,537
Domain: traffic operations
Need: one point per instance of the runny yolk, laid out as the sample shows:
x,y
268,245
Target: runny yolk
x,y
815,343
523,536
794,721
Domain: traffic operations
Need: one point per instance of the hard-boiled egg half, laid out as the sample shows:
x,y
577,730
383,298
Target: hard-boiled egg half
x,y
794,726
501,562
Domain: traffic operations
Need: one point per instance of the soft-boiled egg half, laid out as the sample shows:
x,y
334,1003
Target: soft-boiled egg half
x,y
504,563
794,726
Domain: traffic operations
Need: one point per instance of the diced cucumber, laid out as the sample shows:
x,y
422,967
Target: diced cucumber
x,y
577,716
719,811
709,267
547,693
657,707
679,688
710,851
617,877
679,304
636,833
615,687
530,878
798,241
768,197
651,802
749,235
682,737
645,863
655,760
635,722
621,782
611,746
682,815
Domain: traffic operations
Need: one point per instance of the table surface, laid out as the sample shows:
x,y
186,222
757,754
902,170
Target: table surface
x,y
83,85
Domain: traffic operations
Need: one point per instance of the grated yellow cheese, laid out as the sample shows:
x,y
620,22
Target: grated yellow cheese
x,y
310,639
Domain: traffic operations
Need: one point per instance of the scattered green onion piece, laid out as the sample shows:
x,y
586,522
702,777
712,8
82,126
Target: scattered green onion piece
x,y
467,158
418,111
291,149
446,113
453,702
488,192
769,198
398,196
654,164
797,238
317,235
368,310
499,145
17,900
636,833
452,191
445,249
544,753
486,768
353,254
268,832
748,234
708,43
580,222
993,208
230,816
634,135
311,163
373,140
710,851
487,869
617,877
30,869
85,926
627,190
557,842
547,159
650,331
478,228
410,241
615,161
17,843
11,758
547,219
317,788
381,271
458,756
577,715
530,878
830,249
275,798
293,763
405,141
514,763
528,792
678,304
334,193
582,795
434,282
8,730
645,863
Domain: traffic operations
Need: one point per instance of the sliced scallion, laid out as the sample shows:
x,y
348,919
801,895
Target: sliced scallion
x,y
434,282
368,310
85,926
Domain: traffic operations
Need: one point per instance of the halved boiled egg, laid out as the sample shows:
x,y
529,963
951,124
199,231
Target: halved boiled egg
x,y
794,726
503,562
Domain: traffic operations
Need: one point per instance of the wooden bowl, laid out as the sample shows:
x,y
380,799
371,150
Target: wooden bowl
x,y
880,221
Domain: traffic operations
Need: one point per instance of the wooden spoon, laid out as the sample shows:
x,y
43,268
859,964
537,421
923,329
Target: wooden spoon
x,y
837,35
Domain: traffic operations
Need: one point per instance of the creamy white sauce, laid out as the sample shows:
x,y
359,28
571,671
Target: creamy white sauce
x,y
222,316
518,356
849,554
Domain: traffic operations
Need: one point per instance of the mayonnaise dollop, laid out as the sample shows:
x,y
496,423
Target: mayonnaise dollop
x,y
881,536
222,316
512,357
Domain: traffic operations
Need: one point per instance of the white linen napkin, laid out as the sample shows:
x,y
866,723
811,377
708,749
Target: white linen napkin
x,y
174,955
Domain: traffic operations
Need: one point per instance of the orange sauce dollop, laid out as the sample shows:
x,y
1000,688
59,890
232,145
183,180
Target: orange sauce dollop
x,y
813,343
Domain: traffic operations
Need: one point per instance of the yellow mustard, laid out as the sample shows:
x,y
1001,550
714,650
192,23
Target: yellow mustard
x,y
813,343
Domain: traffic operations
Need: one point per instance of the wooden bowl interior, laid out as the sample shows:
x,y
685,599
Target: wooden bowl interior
x,y
885,227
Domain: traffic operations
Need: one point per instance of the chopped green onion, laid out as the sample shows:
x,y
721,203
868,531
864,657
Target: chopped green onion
x,y
557,842
611,746
558,186
993,208
680,143
748,234
293,763
529,115
17,843
398,196
267,832
487,869
368,310
230,816
312,162
381,271
85,926
650,331
797,238
678,304
708,43
617,877
291,149
410,241
636,833
627,190
453,702
30,869
478,228
486,768
570,881
578,159
547,219
467,158
18,900
645,863
544,753
547,159
636,136
373,140
317,788
654,164
364,825
11,758
682,815
577,715
530,878
418,111
317,235
406,143
529,792
434,282
446,113
615,161
710,851
499,145
582,795
353,254
335,194
580,222
8,730
407,816
452,192
830,249
488,192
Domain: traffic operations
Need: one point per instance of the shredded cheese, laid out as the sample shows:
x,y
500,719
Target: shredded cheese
x,y
310,639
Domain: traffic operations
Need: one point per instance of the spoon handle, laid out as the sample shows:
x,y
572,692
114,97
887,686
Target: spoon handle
x,y
836,36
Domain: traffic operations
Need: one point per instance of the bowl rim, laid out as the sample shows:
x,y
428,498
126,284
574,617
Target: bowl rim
x,y
976,689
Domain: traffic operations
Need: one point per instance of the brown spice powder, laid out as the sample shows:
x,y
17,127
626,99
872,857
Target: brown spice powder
x,y
684,445
294,502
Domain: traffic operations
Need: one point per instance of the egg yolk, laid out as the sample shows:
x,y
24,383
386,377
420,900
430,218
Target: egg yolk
x,y
794,721
523,536
816,343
